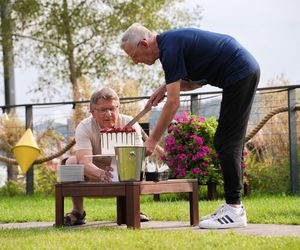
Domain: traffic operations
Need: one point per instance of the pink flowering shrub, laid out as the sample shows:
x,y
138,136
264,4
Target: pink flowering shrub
x,y
189,150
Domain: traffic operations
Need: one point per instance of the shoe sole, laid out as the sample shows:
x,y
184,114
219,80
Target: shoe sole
x,y
75,223
225,226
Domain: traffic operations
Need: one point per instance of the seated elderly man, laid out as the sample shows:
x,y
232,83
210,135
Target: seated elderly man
x,y
104,107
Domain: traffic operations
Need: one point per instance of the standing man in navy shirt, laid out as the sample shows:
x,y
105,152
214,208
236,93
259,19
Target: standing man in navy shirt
x,y
191,58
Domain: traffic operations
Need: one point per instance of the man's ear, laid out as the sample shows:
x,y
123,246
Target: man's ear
x,y
144,43
92,112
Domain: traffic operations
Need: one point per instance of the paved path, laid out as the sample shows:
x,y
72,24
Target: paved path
x,y
264,230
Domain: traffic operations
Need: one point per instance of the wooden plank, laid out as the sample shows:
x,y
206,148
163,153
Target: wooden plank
x,y
194,206
164,187
59,207
93,191
121,210
133,206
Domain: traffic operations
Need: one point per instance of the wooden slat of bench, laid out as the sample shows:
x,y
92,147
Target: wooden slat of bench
x,y
169,186
166,187
93,191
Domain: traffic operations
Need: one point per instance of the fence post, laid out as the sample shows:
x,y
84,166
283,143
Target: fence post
x,y
292,117
194,104
29,174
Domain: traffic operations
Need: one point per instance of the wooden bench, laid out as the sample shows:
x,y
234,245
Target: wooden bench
x,y
128,197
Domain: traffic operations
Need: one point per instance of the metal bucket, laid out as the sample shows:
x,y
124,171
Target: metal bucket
x,y
130,160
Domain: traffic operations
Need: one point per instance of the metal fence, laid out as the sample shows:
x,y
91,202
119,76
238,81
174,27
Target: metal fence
x,y
280,104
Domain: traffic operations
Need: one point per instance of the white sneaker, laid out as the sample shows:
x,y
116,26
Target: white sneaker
x,y
224,217
213,214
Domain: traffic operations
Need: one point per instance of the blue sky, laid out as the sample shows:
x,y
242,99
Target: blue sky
x,y
269,29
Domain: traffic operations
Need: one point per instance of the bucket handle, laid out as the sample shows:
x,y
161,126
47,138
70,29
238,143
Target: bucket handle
x,y
132,155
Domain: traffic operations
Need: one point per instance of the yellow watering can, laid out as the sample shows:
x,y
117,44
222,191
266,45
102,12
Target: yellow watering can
x,y
26,151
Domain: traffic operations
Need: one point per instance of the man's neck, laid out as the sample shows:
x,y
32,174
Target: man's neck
x,y
154,46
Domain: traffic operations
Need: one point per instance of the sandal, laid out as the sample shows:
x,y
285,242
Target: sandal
x,y
143,217
79,218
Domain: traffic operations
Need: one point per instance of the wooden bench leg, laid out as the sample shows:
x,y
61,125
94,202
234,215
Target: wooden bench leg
x,y
194,207
121,210
59,207
133,206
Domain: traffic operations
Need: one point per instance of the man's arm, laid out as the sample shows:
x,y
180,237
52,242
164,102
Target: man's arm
x,y
159,93
90,169
157,96
188,86
166,116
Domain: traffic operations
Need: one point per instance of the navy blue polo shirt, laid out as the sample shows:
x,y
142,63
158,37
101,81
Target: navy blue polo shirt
x,y
203,56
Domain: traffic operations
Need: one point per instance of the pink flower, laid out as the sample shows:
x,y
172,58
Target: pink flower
x,y
182,148
182,173
198,139
215,156
205,149
182,156
196,171
204,164
244,165
184,114
201,119
176,129
200,155
170,163
185,119
204,172
170,140
170,128
247,176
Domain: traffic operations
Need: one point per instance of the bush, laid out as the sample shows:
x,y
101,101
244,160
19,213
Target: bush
x,y
269,176
12,188
45,180
189,150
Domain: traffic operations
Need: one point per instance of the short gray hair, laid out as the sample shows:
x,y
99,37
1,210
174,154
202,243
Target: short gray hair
x,y
105,94
135,33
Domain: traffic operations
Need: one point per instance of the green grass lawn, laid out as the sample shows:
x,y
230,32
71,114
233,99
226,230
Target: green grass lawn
x,y
109,238
260,209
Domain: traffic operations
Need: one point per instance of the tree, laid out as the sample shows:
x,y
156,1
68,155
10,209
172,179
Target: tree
x,y
11,130
80,38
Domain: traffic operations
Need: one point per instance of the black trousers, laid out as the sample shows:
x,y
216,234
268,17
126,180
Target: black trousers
x,y
229,139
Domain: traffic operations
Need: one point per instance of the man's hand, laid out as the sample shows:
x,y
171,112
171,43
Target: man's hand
x,y
105,174
91,171
150,146
157,96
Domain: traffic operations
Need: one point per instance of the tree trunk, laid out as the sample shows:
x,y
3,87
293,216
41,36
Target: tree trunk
x,y
74,72
12,172
8,54
8,69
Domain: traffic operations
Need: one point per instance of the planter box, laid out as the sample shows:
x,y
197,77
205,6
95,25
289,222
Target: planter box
x,y
157,176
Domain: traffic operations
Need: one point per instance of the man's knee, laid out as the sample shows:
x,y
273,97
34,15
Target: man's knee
x,y
71,160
